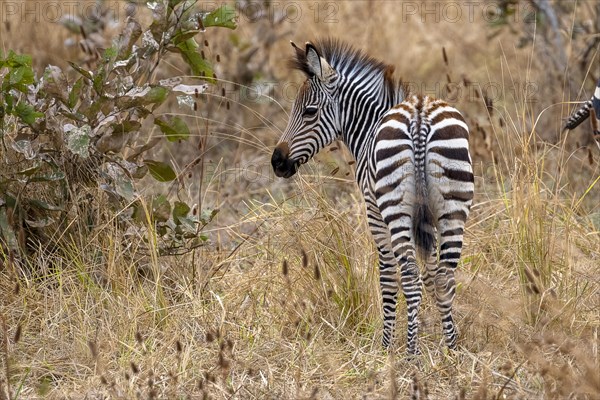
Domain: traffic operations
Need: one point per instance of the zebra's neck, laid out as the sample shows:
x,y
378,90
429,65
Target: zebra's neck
x,y
364,100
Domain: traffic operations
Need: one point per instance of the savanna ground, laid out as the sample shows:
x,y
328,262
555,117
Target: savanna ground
x,y
283,300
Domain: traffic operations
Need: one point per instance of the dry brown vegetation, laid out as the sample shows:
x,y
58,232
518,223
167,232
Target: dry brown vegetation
x,y
284,301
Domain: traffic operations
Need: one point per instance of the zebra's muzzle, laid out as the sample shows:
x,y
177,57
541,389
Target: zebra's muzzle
x,y
283,166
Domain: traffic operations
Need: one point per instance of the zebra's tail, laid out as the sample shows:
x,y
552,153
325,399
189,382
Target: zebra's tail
x,y
423,229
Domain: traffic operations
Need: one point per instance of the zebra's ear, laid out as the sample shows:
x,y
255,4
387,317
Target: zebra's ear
x,y
317,65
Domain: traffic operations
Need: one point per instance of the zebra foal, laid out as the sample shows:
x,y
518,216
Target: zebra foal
x,y
412,166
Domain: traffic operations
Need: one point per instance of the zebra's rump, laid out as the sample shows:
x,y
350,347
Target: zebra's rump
x,y
422,168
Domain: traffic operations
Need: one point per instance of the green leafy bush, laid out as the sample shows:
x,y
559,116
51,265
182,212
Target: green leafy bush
x,y
67,130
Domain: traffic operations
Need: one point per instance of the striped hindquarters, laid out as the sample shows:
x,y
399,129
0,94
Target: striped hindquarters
x,y
450,179
423,171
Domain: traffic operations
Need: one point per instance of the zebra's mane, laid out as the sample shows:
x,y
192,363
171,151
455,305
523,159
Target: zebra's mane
x,y
347,61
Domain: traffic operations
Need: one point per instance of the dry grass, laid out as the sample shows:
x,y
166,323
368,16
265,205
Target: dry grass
x,y
284,303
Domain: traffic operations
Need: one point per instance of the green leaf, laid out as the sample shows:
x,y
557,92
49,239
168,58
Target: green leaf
x,y
109,53
75,93
157,94
82,71
161,209
160,171
199,66
123,186
16,60
15,75
174,3
6,231
78,140
45,206
26,113
182,36
40,223
187,225
180,210
143,95
125,189
139,214
9,100
55,84
174,129
30,171
207,215
131,33
51,177
223,17
24,147
98,81
126,126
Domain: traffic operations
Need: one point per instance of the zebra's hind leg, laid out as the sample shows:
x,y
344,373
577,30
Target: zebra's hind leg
x,y
410,280
451,237
429,275
439,282
445,288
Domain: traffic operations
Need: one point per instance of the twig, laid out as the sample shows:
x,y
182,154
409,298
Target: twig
x,y
508,380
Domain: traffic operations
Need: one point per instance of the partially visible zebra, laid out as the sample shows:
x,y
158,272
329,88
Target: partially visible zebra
x,y
412,166
585,111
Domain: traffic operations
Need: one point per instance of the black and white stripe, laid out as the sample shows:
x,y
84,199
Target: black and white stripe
x,y
590,108
413,167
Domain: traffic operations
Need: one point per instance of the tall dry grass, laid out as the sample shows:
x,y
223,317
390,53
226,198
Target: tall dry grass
x,y
284,303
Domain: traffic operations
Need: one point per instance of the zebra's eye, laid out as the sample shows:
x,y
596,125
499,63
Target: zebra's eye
x,y
310,111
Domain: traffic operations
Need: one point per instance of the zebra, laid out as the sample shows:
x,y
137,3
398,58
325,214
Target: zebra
x,y
585,111
412,166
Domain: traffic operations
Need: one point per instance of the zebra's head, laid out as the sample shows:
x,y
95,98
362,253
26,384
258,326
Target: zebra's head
x,y
314,121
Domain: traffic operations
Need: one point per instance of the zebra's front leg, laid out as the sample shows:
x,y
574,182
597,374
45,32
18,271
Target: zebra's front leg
x,y
388,281
400,237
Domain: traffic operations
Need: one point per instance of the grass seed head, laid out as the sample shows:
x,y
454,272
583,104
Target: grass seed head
x,y
304,258
93,349
134,368
18,333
